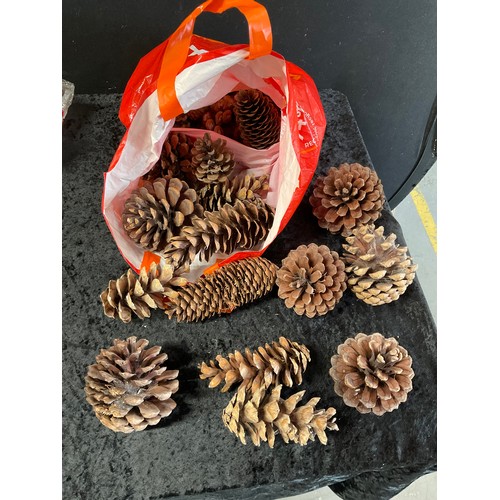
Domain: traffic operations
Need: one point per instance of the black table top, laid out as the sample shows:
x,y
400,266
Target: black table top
x,y
191,454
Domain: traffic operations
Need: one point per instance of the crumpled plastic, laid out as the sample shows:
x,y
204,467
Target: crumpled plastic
x,y
68,91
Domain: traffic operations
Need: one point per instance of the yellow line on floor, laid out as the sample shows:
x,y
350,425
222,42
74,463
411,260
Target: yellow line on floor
x,y
425,216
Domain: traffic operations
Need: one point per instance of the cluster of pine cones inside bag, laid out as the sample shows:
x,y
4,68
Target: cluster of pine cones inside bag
x,y
194,205
130,388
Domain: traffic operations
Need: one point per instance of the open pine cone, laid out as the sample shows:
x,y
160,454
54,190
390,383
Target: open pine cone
x,y
129,387
263,414
175,158
372,373
311,280
156,211
231,286
212,161
238,226
248,187
132,294
282,362
378,270
258,119
346,197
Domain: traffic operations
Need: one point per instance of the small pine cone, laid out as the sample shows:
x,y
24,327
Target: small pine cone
x,y
378,270
195,115
175,158
138,294
212,161
128,387
214,196
311,280
372,373
282,362
263,414
231,286
156,211
258,119
234,227
183,121
225,103
347,196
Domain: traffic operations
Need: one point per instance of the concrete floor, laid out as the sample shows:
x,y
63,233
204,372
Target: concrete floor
x,y
417,214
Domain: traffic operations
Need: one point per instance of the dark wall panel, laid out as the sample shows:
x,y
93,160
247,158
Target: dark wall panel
x,y
381,54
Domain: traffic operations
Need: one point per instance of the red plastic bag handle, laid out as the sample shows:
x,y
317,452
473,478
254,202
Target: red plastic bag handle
x,y
176,52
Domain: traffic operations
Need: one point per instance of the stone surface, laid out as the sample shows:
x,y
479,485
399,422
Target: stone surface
x,y
191,454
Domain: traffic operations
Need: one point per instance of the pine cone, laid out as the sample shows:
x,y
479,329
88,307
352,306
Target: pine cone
x,y
212,161
261,415
311,280
372,373
258,119
182,121
138,294
347,196
282,362
156,211
175,159
214,196
129,388
378,271
234,227
231,286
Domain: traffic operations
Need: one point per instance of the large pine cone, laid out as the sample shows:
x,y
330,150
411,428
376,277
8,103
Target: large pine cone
x,y
258,119
214,196
175,158
346,197
311,280
261,415
132,294
378,270
372,373
129,387
282,362
231,286
156,211
234,227
212,161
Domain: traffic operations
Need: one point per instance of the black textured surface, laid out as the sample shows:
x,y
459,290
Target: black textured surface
x,y
191,454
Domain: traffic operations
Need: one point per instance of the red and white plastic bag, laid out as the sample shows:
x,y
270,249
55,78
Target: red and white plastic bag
x,y
188,72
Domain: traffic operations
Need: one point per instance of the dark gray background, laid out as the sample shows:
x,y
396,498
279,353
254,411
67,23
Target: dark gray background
x,y
381,54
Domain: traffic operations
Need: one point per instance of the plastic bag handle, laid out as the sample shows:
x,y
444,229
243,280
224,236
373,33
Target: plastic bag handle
x,y
176,52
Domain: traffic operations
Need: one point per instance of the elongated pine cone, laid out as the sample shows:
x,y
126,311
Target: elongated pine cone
x,y
234,227
378,270
131,294
311,280
214,196
175,158
346,197
212,161
129,386
156,211
258,119
263,414
372,373
282,362
231,286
